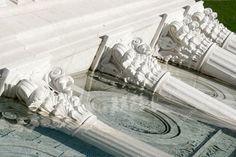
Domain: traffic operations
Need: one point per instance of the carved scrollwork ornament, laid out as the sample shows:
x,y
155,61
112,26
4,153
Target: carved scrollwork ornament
x,y
140,46
211,27
58,81
183,43
60,105
133,62
201,43
52,96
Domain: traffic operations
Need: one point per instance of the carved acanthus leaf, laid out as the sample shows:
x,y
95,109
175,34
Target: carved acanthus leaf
x,y
183,43
51,97
59,82
133,63
210,26
60,105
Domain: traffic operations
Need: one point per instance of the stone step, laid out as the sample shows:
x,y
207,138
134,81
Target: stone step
x,y
102,25
50,28
11,47
70,26
36,66
62,38
77,56
42,34
31,37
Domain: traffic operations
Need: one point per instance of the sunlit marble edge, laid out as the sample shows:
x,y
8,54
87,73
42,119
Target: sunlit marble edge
x,y
144,19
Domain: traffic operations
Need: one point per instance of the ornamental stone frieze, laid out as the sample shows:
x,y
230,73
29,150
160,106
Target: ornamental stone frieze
x,y
52,98
187,43
132,62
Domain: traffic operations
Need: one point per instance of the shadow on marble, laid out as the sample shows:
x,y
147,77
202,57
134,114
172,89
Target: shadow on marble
x,y
18,136
161,122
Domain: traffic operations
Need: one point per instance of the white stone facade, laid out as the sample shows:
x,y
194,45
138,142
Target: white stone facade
x,y
82,35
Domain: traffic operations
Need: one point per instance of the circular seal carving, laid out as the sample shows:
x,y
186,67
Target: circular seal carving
x,y
132,115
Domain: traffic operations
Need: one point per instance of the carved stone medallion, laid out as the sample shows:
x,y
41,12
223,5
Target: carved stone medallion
x,y
141,119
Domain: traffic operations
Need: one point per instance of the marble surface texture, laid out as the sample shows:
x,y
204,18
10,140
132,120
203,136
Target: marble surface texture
x,y
163,122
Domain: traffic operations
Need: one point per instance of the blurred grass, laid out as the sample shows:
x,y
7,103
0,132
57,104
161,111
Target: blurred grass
x,y
226,10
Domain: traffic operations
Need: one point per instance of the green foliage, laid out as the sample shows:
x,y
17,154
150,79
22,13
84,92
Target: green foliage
x,y
226,10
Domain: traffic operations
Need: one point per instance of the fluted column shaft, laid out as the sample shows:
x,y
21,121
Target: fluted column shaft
x,y
115,142
172,87
221,64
